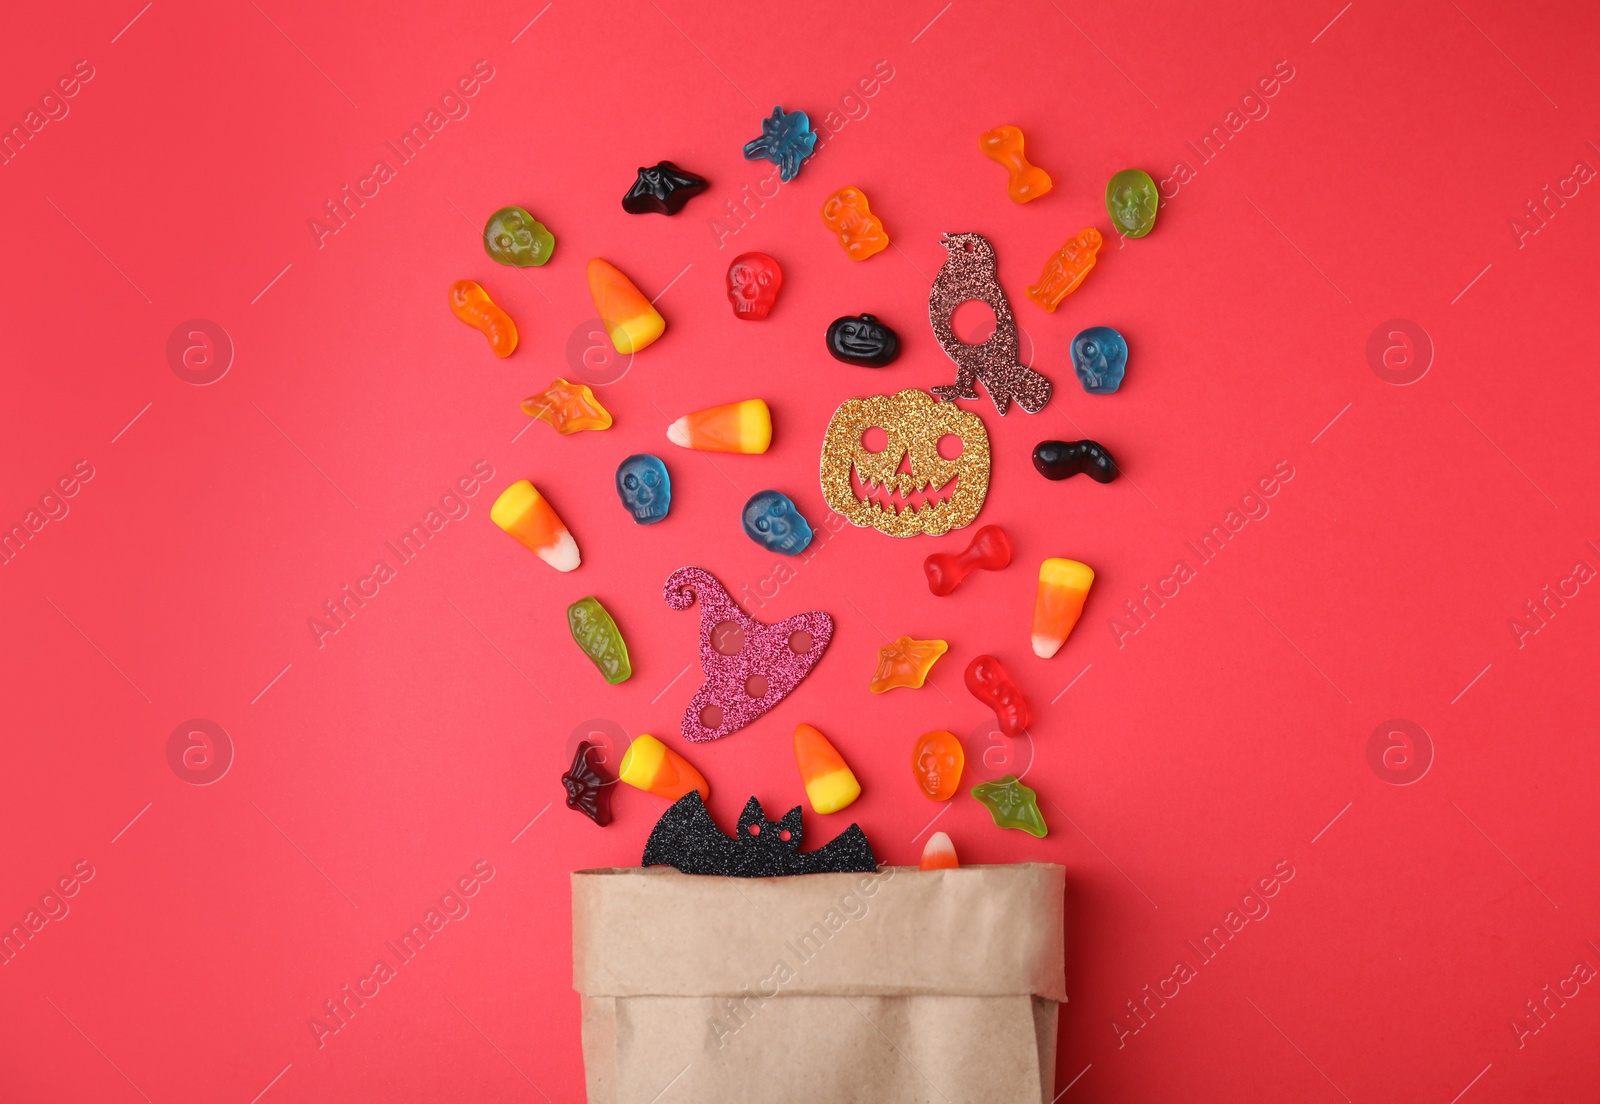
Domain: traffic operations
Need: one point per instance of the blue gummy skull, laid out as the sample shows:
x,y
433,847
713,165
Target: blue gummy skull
x,y
786,140
645,488
1100,357
773,521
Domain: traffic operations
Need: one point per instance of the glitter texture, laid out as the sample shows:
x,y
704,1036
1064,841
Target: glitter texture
x,y
871,489
687,838
969,273
766,655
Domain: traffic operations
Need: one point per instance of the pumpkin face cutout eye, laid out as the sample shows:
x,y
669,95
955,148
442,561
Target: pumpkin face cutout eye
x,y
905,464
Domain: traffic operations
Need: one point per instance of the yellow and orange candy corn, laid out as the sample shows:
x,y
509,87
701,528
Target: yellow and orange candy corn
x,y
830,784
470,303
1063,587
732,427
525,513
940,854
653,767
629,318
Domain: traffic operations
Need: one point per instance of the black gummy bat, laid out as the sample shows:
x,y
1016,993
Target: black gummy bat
x,y
686,837
662,189
1061,459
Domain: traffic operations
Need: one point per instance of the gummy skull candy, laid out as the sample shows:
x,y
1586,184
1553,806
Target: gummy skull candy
x,y
754,280
644,487
772,520
514,237
937,759
930,475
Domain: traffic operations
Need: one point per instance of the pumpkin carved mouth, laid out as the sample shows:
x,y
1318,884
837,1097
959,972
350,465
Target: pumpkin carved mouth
x,y
905,464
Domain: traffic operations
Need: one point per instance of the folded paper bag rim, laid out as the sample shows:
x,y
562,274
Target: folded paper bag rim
x,y
657,932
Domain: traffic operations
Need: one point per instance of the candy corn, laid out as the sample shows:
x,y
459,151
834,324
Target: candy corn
x,y
940,854
653,767
732,427
624,311
1063,586
830,785
524,513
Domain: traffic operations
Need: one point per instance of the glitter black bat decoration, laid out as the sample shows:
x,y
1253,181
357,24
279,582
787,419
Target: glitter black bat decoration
x,y
686,837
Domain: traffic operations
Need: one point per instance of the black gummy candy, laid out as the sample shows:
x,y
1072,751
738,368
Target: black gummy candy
x,y
1060,459
861,339
662,189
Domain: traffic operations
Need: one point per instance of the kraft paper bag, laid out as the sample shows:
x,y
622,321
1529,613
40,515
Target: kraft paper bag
x,y
890,988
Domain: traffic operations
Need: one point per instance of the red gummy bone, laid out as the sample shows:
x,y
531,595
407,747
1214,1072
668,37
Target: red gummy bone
x,y
993,685
990,550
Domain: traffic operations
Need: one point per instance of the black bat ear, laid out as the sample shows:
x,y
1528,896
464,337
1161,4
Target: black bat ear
x,y
791,824
752,815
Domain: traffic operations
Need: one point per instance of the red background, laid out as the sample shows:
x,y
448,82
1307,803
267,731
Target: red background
x,y
1228,735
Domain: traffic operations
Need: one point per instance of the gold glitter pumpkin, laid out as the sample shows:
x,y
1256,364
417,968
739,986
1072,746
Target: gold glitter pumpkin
x,y
907,488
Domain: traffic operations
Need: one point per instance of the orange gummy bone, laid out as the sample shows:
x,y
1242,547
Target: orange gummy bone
x,y
1003,145
630,319
470,303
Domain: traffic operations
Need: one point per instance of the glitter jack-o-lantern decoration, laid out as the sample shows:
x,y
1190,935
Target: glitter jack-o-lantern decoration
x,y
905,464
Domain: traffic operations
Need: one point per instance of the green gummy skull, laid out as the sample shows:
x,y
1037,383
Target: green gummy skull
x,y
514,237
1131,201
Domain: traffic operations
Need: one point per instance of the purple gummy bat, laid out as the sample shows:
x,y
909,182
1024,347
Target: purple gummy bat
x,y
759,673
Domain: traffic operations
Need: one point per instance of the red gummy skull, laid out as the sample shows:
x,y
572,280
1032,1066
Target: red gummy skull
x,y
754,280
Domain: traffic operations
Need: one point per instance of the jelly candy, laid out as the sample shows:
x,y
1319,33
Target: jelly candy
x,y
1057,604
597,634
662,189
939,854
990,550
1064,271
570,407
653,767
523,512
969,273
906,487
732,427
1003,146
1100,357
862,339
860,232
773,521
472,305
830,785
514,237
936,759
786,140
687,838
767,663
906,662
588,788
1012,805
629,318
754,280
644,487
1132,201
992,684
1062,459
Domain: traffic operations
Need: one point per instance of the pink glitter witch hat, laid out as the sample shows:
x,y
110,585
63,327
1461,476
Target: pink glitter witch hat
x,y
772,660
